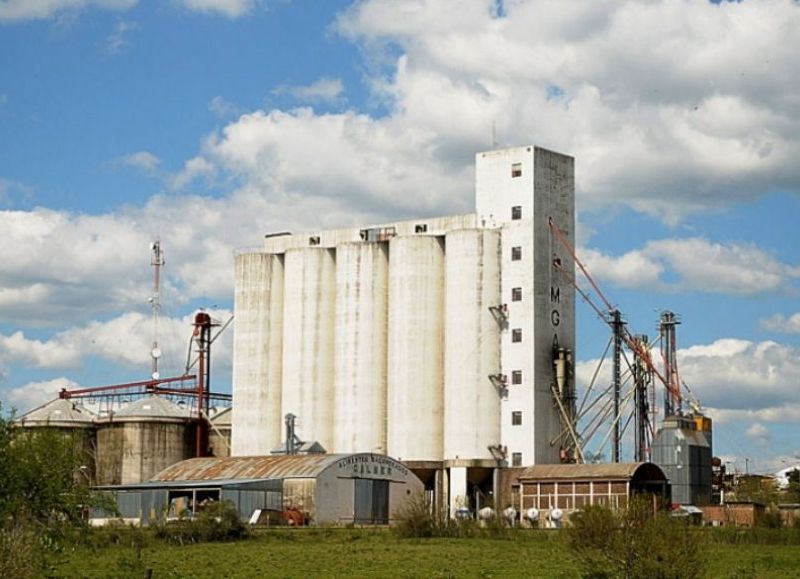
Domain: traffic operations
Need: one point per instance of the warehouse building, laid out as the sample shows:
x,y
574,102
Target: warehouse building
x,y
571,487
323,488
436,341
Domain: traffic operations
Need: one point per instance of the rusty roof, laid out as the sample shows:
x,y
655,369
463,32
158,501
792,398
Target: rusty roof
x,y
248,467
58,412
607,471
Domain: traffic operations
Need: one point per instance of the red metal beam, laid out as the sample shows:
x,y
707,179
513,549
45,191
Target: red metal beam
x,y
64,393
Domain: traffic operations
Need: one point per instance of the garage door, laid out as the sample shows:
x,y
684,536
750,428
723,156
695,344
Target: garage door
x,y
371,501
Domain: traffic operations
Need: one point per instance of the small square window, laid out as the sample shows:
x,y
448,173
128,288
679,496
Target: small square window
x,y
516,335
516,212
516,253
516,459
516,418
516,170
516,377
421,228
516,294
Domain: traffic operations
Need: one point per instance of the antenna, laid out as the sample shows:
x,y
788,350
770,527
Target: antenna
x,y
157,261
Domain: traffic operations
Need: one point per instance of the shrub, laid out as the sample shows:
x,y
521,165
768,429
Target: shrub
x,y
634,543
217,522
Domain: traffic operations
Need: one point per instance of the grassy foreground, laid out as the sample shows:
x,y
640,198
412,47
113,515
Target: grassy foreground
x,y
377,553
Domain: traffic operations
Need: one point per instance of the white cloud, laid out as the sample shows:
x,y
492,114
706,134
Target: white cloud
x,y
783,324
194,168
33,394
647,96
735,380
228,8
118,39
222,108
142,160
21,10
125,339
322,90
758,432
699,264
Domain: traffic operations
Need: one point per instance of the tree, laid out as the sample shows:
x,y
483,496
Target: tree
x,y
43,491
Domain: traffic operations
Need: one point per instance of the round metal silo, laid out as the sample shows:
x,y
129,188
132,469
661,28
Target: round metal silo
x,y
472,345
308,338
362,274
257,353
416,348
141,439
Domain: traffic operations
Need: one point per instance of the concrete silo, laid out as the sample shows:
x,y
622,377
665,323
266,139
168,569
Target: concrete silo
x,y
142,439
416,348
473,386
219,435
70,419
308,342
258,353
362,282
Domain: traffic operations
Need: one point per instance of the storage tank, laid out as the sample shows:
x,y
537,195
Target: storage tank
x,y
141,439
416,348
71,419
219,435
257,353
362,276
308,338
472,346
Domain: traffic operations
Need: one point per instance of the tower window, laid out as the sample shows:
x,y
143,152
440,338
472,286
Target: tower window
x,y
516,294
516,253
516,170
516,212
516,377
313,240
516,459
516,335
420,228
516,418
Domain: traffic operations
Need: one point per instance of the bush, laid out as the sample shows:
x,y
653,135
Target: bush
x,y
217,522
634,543
418,520
20,551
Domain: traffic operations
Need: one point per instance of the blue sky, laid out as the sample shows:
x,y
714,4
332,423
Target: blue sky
x,y
210,122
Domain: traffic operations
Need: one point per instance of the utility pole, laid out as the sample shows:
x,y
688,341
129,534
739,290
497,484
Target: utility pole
x,y
157,261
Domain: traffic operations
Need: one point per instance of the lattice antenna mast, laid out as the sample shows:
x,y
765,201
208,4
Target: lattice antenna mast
x,y
157,262
669,350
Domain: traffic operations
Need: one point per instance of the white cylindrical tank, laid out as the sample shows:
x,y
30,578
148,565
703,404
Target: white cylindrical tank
x,y
308,338
472,346
362,282
416,348
257,354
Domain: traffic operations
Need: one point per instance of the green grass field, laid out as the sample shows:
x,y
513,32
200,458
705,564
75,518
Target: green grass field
x,y
377,553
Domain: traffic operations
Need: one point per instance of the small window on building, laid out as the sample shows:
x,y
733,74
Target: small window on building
x,y
516,212
516,170
313,240
516,376
516,418
516,459
516,294
516,335
516,253
420,228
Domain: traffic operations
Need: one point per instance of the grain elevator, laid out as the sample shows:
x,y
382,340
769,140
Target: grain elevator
x,y
433,340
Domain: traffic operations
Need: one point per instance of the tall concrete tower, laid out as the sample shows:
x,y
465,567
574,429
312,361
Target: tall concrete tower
x,y
520,190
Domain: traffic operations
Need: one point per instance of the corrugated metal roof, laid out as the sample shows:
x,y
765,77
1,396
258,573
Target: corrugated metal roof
x,y
153,407
248,467
58,412
612,470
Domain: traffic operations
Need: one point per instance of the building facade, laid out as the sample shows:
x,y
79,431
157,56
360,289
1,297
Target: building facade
x,y
430,340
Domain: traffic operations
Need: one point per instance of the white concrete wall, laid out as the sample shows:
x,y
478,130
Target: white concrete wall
x,y
416,348
257,354
362,292
308,342
472,344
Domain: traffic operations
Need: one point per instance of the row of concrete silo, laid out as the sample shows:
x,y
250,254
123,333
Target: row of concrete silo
x,y
374,346
132,443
